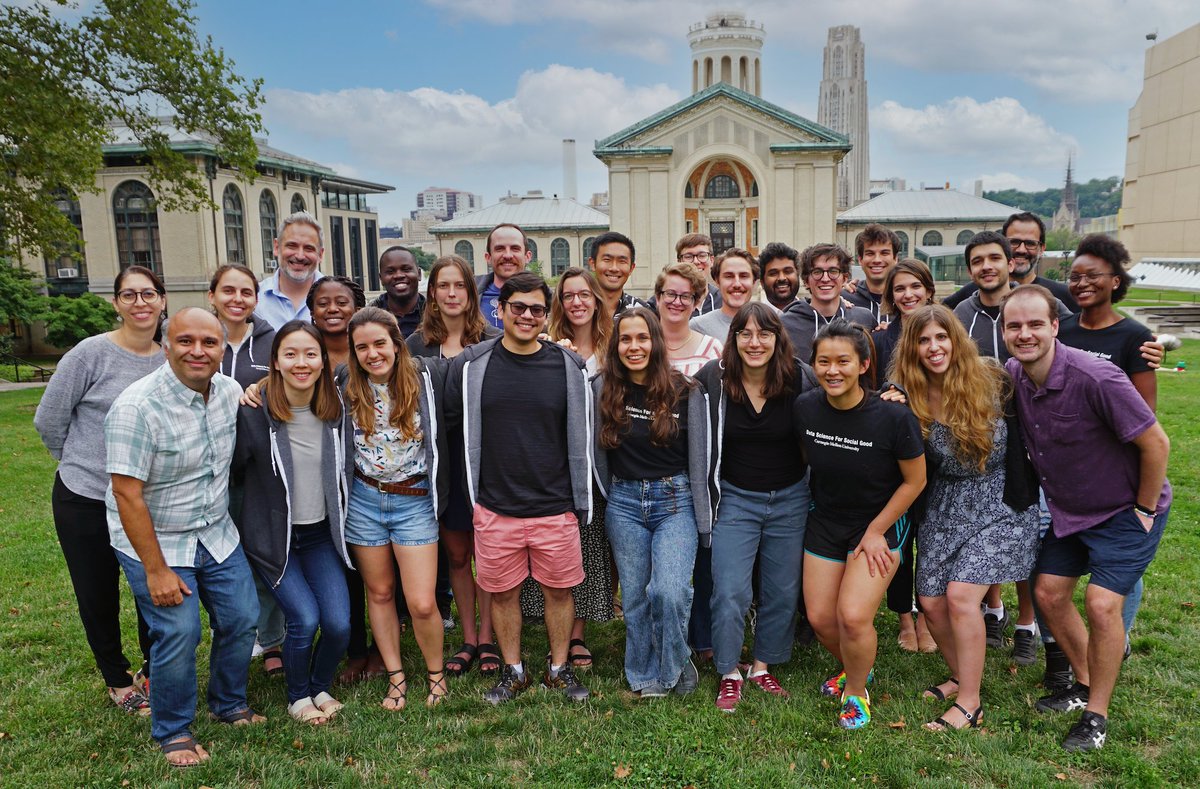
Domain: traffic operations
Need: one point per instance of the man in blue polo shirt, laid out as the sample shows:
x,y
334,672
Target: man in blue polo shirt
x,y
299,248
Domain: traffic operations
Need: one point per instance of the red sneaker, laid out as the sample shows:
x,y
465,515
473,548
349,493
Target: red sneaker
x,y
729,693
768,683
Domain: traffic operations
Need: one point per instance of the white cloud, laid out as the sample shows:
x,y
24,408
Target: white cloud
x,y
996,182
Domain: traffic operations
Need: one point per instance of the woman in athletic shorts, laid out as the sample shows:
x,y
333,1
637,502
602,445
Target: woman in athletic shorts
x,y
867,468
652,463
980,525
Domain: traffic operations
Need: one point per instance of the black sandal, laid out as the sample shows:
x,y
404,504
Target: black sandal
x,y
576,659
398,702
435,699
184,743
456,666
973,720
273,654
934,692
489,659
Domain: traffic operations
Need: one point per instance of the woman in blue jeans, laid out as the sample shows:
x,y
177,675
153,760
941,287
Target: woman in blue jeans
x,y
652,437
293,455
761,497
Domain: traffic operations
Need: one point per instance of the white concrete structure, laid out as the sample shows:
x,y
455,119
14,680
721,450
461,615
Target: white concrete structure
x,y
727,47
843,107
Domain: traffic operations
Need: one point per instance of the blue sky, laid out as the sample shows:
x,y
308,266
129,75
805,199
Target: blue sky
x,y
477,94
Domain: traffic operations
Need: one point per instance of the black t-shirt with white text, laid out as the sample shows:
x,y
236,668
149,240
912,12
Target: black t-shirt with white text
x,y
636,457
523,454
1119,343
853,455
759,451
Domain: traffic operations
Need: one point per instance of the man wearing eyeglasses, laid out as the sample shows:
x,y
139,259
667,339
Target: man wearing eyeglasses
x,y
613,261
523,407
696,248
825,269
507,254
1026,234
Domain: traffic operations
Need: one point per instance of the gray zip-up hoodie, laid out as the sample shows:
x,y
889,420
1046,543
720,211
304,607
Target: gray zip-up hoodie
x,y
802,324
985,330
252,361
263,456
699,452
464,411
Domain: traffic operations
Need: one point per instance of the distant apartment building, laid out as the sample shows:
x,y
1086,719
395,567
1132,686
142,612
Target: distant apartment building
x,y
444,203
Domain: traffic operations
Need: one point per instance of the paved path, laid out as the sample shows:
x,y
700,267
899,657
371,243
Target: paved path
x,y
8,386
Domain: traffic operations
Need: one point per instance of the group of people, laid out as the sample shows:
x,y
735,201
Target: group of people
x,y
716,455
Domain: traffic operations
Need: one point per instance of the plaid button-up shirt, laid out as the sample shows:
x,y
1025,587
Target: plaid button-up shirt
x,y
163,433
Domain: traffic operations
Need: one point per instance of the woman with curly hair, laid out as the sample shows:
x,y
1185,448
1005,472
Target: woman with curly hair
x,y
980,526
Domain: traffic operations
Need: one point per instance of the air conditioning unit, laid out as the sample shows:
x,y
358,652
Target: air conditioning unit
x,y
68,273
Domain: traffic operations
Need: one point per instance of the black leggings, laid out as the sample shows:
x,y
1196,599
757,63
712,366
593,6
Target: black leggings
x,y
900,592
82,527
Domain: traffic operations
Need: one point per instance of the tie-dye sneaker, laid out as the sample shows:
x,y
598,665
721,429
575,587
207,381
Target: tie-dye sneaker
x,y
856,712
835,683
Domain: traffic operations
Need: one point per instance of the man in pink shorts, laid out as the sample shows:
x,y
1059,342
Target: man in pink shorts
x,y
524,410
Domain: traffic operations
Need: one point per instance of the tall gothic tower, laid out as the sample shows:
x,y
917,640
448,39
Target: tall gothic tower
x,y
1067,215
843,107
727,47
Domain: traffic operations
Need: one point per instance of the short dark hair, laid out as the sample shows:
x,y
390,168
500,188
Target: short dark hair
x,y
810,256
356,291
1033,292
525,282
876,233
774,251
612,237
393,249
987,237
692,240
1026,216
858,336
487,247
734,252
1112,252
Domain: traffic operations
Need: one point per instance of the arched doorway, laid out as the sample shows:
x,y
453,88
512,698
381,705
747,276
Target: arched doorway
x,y
720,200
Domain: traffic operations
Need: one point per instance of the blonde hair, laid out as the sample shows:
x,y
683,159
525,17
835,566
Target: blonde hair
x,y
972,388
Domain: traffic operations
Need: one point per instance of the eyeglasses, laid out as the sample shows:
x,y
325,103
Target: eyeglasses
x,y
825,273
517,308
682,298
582,296
1028,243
148,296
1090,278
692,257
745,335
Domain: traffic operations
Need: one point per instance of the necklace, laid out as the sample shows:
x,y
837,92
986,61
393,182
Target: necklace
x,y
680,345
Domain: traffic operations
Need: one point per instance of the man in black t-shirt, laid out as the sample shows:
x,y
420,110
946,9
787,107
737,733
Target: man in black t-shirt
x,y
522,406
401,279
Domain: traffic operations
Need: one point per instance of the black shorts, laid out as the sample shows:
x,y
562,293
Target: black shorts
x,y
1115,553
835,542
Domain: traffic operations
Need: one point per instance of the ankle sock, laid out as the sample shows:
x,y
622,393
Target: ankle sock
x,y
1032,628
996,612
554,671
732,675
757,673
518,668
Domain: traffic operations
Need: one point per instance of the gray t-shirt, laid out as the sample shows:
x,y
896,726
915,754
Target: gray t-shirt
x,y
70,417
305,433
715,324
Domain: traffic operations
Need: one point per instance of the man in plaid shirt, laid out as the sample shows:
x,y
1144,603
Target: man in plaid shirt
x,y
169,440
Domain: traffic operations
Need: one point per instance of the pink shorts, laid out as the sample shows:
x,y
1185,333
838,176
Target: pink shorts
x,y
507,548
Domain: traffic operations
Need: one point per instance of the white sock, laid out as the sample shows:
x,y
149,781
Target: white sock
x,y
554,671
1031,628
518,668
996,612
735,674
1048,639
758,673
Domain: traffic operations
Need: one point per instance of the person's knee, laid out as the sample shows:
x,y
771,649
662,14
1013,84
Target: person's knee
x,y
303,625
556,596
822,620
1103,607
383,594
422,607
675,597
962,602
854,622
181,633
458,558
1050,595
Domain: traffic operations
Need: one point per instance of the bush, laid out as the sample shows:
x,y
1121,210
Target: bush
x,y
71,319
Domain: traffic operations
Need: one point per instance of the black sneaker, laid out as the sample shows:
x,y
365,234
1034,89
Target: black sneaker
x,y
995,627
1058,675
1073,698
1025,647
567,682
1128,648
509,687
1088,734
689,679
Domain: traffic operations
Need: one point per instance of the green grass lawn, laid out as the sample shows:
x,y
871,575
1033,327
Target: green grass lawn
x,y
57,727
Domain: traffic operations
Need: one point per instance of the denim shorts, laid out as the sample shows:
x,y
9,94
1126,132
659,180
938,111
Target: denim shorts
x,y
1116,552
377,518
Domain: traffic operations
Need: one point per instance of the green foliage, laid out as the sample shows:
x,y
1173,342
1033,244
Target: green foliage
x,y
69,76
425,260
72,319
21,301
1098,197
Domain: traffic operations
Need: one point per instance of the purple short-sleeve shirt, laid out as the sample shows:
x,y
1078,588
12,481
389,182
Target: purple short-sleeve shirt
x,y
1078,428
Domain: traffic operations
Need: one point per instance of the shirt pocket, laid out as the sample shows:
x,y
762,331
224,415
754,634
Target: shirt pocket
x,y
1063,429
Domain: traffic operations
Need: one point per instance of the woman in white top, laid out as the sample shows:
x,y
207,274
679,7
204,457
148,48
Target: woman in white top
x,y
679,287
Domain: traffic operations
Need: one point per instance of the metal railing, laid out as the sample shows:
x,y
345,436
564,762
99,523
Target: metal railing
x,y
39,373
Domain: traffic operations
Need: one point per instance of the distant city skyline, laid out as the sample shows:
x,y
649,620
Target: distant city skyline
x,y
478,96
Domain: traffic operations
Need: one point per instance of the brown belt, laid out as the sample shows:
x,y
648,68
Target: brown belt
x,y
403,488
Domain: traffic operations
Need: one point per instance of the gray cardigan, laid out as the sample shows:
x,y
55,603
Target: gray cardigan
x,y
699,454
464,410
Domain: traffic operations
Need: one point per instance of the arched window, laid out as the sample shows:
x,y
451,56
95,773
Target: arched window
x,y
268,220
560,256
964,237
932,238
531,246
754,188
298,203
135,217
688,192
587,248
465,250
69,263
903,244
235,225
720,186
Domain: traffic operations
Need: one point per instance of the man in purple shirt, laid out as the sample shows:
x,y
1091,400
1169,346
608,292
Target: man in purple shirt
x,y
1102,459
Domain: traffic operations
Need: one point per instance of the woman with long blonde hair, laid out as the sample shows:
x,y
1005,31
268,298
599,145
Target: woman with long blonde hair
x,y
577,315
980,526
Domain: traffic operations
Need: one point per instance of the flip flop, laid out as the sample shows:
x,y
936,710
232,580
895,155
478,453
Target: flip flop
x,y
185,743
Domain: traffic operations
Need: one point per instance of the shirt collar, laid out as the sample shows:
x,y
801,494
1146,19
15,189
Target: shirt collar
x,y
181,392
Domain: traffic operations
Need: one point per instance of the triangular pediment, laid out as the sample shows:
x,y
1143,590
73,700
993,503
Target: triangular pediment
x,y
785,129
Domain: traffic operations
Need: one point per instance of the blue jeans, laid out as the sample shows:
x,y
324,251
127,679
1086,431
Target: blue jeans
x,y
769,527
312,594
227,591
652,528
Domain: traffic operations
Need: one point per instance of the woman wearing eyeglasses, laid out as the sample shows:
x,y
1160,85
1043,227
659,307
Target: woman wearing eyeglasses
x,y
70,420
676,291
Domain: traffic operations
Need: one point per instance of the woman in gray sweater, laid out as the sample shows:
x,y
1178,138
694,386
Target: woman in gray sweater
x,y
70,420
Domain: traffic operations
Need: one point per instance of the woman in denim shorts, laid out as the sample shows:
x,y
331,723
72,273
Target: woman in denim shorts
x,y
652,437
394,500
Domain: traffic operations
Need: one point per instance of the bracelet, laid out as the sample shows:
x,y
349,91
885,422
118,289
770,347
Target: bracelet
x,y
1140,510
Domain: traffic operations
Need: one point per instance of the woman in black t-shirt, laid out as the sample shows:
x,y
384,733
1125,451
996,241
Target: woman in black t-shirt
x,y
865,456
762,493
652,437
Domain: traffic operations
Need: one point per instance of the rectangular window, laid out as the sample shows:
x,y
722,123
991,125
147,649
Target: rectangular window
x,y
338,244
356,253
372,253
754,232
689,229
